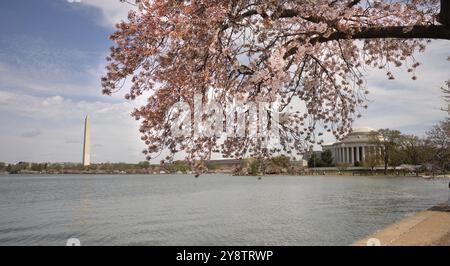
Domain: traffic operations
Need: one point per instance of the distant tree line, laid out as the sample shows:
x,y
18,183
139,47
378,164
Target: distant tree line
x,y
274,165
431,151
121,167
325,159
73,167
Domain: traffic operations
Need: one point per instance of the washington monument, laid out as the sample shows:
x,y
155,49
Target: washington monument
x,y
87,142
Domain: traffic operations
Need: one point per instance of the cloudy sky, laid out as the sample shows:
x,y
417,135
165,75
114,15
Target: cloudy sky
x,y
51,59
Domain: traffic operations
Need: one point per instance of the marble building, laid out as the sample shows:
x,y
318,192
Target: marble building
x,y
353,148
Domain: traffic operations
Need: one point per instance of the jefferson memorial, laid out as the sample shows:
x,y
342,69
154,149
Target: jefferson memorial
x,y
354,147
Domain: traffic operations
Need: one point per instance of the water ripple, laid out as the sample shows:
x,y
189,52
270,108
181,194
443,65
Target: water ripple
x,y
212,210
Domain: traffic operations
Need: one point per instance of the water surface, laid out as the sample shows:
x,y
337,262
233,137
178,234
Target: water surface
x,y
209,210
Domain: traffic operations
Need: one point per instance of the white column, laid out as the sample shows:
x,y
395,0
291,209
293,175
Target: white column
x,y
363,154
344,152
358,158
333,154
339,155
352,160
348,154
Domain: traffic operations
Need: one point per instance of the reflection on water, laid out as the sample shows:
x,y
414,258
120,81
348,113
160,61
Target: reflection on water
x,y
210,210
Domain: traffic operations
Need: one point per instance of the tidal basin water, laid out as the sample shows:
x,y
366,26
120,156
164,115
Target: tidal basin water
x,y
209,210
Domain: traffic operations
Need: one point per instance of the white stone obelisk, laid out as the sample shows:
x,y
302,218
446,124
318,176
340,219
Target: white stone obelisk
x,y
87,142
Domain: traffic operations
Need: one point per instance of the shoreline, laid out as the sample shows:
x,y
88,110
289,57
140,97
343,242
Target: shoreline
x,y
331,175
425,228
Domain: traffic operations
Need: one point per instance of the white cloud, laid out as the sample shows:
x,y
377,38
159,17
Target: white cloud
x,y
115,135
113,11
405,104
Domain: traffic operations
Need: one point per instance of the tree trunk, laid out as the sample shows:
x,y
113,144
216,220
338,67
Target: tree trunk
x,y
386,161
397,32
385,168
444,16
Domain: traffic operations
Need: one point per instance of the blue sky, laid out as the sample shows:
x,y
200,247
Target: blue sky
x,y
52,57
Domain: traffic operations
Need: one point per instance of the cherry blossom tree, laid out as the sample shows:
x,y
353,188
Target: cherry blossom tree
x,y
446,92
310,54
